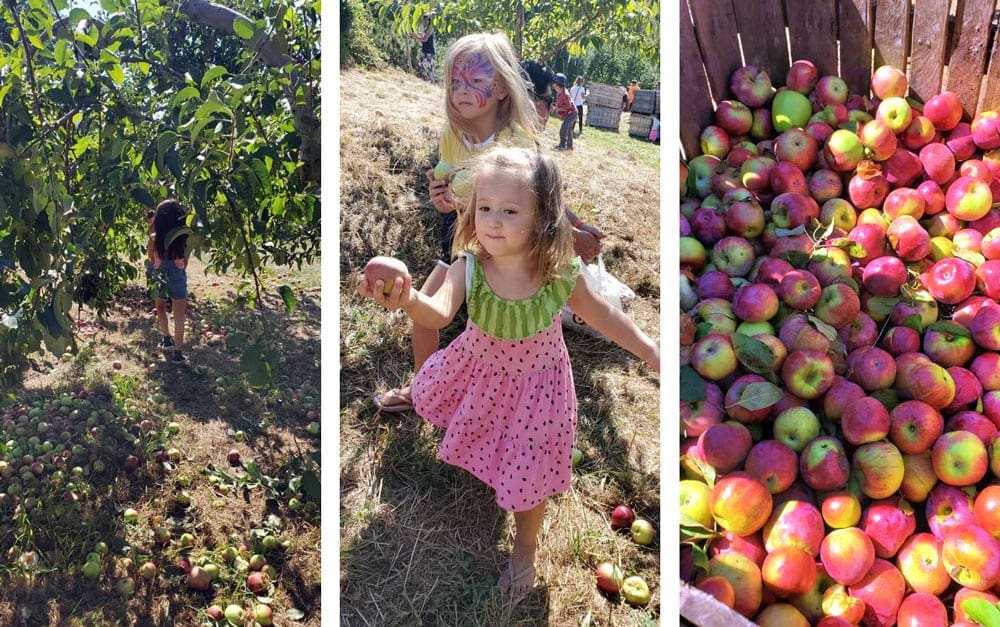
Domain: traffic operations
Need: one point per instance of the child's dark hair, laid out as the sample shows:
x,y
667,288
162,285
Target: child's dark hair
x,y
170,214
552,244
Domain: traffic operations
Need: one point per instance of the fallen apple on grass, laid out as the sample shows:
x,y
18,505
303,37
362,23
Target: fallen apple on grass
x,y
621,517
635,590
609,577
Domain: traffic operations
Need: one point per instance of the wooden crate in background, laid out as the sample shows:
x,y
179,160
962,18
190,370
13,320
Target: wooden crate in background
x,y
645,101
939,46
600,95
603,117
639,125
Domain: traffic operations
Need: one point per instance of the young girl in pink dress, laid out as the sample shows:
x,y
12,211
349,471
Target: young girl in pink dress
x,y
503,390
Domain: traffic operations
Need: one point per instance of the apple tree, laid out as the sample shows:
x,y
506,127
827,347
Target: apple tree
x,y
103,115
540,29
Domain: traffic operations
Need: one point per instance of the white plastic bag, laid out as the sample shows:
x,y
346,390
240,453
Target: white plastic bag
x,y
602,283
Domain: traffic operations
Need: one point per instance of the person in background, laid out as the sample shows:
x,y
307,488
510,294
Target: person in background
x,y
566,110
631,94
579,94
539,88
167,249
426,38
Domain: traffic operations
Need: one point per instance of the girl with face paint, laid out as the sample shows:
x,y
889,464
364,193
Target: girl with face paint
x,y
487,103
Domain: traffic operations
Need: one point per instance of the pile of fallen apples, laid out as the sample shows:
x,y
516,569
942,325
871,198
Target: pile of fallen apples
x,y
610,577
840,355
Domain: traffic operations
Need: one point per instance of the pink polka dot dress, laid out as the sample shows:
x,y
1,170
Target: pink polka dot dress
x,y
503,391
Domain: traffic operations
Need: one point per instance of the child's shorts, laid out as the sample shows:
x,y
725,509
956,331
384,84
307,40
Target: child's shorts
x,y
169,281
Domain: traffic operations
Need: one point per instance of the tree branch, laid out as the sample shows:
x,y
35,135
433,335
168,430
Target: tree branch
x,y
28,54
306,121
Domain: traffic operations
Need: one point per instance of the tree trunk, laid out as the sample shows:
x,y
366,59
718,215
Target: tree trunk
x,y
303,107
519,30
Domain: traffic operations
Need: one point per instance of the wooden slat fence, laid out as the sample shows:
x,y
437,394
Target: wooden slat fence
x,y
942,44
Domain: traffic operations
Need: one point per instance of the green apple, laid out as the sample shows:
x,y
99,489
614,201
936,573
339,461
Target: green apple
x,y
695,497
796,427
789,109
577,456
642,531
442,170
234,614
92,569
635,590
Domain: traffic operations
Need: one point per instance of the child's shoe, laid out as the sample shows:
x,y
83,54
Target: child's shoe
x,y
167,343
179,358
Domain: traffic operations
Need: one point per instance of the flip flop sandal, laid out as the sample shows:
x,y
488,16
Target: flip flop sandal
x,y
392,408
513,578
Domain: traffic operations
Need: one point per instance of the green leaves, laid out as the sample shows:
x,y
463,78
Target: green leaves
x,y
287,297
243,28
753,354
982,612
256,365
758,396
951,328
692,385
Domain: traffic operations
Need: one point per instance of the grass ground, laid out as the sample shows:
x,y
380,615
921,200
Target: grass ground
x,y
423,542
118,397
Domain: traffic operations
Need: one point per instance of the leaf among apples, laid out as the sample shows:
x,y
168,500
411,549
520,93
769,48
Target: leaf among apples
x,y
692,385
882,305
754,355
828,331
946,326
758,396
982,612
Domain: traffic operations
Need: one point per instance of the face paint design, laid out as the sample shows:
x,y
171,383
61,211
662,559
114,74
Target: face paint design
x,y
473,74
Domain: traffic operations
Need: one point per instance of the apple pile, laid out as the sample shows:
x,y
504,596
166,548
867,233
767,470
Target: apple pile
x,y
840,354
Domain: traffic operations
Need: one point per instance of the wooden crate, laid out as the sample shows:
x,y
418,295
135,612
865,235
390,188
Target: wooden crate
x,y
645,101
639,125
604,117
600,95
940,47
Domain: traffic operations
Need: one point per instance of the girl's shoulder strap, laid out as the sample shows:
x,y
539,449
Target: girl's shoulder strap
x,y
470,262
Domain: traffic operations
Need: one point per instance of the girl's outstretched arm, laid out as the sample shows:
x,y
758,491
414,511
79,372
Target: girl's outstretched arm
x,y
613,324
431,312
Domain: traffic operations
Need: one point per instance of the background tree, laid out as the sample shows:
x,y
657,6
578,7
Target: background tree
x,y
540,29
103,116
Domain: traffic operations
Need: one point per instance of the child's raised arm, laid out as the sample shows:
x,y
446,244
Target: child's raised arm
x,y
613,324
431,312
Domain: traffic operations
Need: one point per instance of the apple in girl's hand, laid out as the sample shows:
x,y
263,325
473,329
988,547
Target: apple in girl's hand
x,y
442,170
386,269
622,517
635,590
609,577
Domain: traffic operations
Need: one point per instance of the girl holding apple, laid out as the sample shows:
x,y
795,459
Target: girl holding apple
x,y
503,390
487,101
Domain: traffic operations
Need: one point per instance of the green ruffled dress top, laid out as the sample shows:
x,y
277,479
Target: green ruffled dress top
x,y
517,319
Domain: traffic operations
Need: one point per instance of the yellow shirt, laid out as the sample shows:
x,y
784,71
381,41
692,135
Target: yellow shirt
x,y
461,154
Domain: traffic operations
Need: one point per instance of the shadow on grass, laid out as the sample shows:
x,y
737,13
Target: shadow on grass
x,y
427,554
56,592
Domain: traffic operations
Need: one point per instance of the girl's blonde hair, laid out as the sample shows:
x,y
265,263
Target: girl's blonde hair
x,y
552,241
516,107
